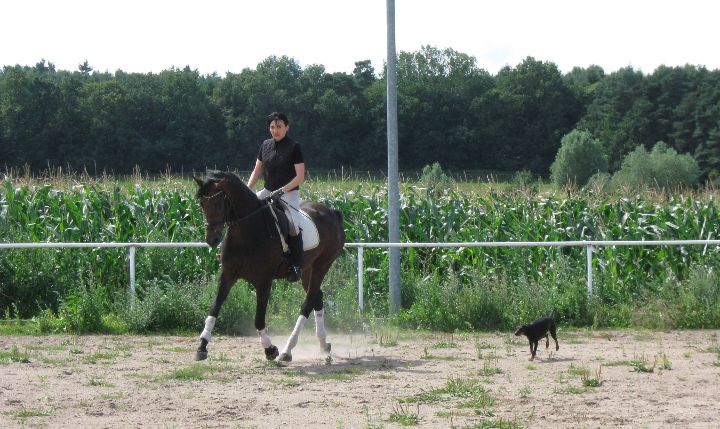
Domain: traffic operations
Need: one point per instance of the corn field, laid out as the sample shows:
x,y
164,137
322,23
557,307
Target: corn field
x,y
37,281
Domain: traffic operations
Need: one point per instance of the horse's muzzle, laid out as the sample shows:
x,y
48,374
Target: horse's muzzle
x,y
213,236
213,241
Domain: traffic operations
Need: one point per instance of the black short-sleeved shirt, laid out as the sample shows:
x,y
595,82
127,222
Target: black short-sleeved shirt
x,y
279,159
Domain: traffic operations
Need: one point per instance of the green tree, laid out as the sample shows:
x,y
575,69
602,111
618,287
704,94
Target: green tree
x,y
364,74
436,91
29,100
580,157
616,95
541,110
583,82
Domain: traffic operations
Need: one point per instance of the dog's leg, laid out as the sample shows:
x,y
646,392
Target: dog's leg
x,y
533,348
547,341
532,353
554,335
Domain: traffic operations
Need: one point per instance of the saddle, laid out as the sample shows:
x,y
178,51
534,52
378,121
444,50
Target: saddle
x,y
278,226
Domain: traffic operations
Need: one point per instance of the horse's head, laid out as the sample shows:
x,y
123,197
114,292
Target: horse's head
x,y
215,206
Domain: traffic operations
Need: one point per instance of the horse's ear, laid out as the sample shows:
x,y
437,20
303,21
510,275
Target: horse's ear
x,y
198,181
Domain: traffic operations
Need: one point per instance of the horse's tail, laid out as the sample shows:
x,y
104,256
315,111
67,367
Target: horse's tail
x,y
341,229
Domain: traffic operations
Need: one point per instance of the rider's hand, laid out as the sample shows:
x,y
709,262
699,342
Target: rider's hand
x,y
276,193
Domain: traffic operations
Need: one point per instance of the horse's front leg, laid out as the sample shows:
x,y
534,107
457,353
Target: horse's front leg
x,y
262,291
224,285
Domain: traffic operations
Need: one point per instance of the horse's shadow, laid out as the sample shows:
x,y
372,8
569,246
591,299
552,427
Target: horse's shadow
x,y
353,366
554,360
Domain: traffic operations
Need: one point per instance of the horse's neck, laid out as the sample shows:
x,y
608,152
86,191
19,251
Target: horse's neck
x,y
243,201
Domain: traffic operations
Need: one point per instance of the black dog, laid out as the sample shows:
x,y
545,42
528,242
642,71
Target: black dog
x,y
536,330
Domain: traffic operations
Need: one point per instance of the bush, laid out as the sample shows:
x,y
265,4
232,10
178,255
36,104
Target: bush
x,y
699,300
446,302
434,178
580,156
162,305
663,167
599,183
82,310
524,181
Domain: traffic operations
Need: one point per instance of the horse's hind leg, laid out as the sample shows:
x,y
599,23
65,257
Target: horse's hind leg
x,y
317,277
313,301
286,354
224,287
318,306
320,332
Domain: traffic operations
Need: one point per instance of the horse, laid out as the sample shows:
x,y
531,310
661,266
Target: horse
x,y
252,250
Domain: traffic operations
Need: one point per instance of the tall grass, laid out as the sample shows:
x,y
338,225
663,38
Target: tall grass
x,y
446,289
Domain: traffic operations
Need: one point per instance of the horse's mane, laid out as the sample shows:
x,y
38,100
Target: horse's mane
x,y
214,176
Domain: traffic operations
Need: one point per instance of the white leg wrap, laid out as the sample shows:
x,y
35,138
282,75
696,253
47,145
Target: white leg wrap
x,y
320,329
293,339
320,325
209,325
265,338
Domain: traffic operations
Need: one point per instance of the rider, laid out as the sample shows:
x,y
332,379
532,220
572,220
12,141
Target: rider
x,y
280,161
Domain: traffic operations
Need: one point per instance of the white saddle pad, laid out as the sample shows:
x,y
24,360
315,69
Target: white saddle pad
x,y
310,235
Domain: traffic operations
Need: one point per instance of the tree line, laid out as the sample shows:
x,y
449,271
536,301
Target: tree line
x,y
451,111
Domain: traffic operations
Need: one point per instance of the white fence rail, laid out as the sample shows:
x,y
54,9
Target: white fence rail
x,y
589,245
130,246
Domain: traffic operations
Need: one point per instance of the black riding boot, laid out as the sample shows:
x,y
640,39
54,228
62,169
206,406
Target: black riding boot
x,y
296,258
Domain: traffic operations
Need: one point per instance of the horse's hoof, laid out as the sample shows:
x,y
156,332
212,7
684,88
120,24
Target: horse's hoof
x,y
271,353
201,355
285,357
327,348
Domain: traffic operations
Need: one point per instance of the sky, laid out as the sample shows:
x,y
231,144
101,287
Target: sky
x,y
221,36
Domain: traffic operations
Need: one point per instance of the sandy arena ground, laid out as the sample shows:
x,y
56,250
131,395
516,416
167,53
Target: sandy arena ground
x,y
598,379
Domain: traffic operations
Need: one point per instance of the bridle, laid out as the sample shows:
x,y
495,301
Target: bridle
x,y
217,225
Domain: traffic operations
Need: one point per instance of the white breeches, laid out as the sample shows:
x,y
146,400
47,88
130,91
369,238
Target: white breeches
x,y
292,200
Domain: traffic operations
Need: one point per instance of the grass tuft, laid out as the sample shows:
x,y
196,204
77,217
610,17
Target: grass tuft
x,y
14,355
403,414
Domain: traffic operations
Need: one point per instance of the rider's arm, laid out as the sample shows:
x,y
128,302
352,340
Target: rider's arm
x,y
256,173
297,180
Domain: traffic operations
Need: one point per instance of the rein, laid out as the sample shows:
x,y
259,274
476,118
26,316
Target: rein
x,y
236,221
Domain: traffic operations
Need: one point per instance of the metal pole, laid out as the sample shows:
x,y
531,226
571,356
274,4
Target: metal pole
x,y
589,269
131,250
393,175
360,278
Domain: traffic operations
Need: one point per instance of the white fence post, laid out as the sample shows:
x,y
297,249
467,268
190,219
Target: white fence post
x,y
360,277
132,276
589,248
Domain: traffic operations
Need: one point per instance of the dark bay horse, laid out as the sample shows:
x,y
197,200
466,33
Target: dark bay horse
x,y
249,252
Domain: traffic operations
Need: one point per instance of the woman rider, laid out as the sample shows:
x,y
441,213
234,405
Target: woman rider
x,y
280,161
